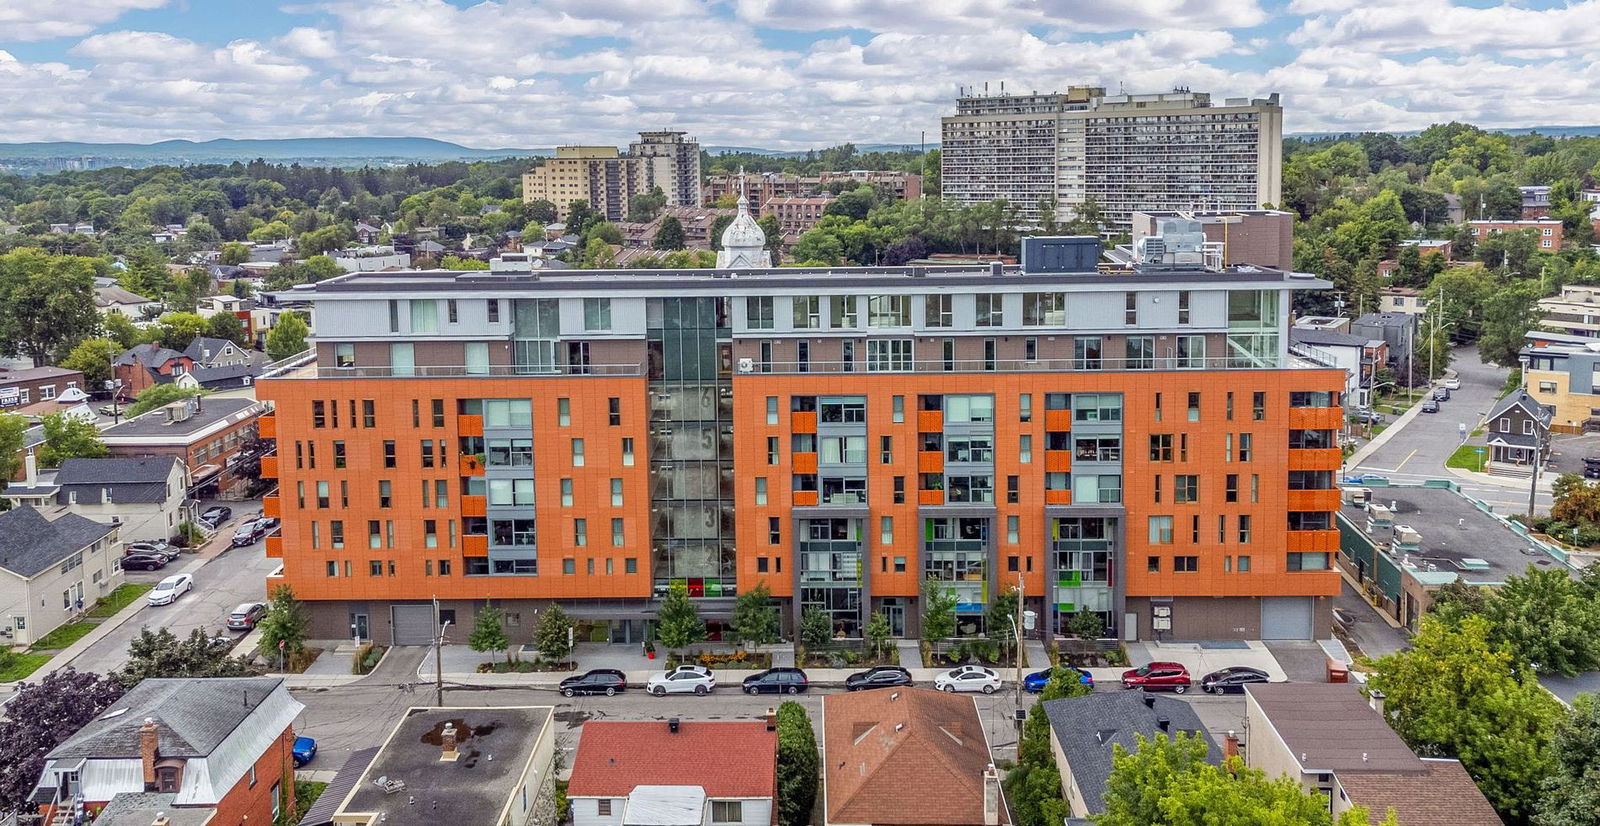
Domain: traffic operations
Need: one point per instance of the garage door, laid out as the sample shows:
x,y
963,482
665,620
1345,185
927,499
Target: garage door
x,y
1286,618
412,624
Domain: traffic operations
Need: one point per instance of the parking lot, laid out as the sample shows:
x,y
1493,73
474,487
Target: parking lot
x,y
1567,451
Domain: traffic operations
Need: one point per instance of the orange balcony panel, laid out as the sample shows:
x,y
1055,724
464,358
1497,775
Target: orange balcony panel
x,y
469,425
930,421
1058,421
930,461
267,427
1313,500
1304,541
271,506
803,421
470,466
474,545
805,497
930,497
269,467
1057,461
1315,459
1316,418
1058,497
804,463
474,505
275,547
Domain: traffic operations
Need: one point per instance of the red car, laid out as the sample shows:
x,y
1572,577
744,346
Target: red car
x,y
1158,677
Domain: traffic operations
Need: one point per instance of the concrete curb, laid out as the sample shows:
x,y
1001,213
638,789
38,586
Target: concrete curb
x,y
1545,485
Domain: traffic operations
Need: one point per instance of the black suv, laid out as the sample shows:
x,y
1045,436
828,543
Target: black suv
x,y
607,681
1591,467
776,681
883,676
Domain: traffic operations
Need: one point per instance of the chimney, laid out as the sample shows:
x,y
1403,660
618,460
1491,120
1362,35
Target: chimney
x,y
772,719
1164,723
991,796
1375,699
672,724
1230,745
1149,699
161,820
447,739
148,749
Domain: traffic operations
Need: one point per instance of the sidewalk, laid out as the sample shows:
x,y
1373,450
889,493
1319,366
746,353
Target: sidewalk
x,y
1378,441
1546,480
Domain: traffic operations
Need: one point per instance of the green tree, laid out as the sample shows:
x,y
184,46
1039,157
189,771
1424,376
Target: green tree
x,y
274,231
93,357
177,330
1571,794
327,239
158,395
46,303
69,437
1168,781
456,262
553,635
877,634
816,628
774,232
818,246
13,434
1086,626
287,337
669,235
598,255
755,618
488,631
1033,786
283,629
938,611
1001,617
1454,694
119,328
226,326
798,765
1548,620
532,232
1509,312
233,254
643,209
39,717
160,653
678,622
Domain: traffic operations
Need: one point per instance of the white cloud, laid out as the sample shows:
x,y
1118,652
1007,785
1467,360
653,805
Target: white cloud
x,y
25,20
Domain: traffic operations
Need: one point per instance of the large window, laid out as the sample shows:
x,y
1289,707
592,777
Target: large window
x,y
1097,407
1044,309
758,312
889,311
1141,352
511,491
937,311
844,312
990,310
512,533
1307,561
807,312
597,314
424,315
1086,352
974,408
1191,352
970,449
536,326
1160,530
887,355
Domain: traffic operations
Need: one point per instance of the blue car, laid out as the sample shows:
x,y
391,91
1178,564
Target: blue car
x,y
1364,479
1034,683
305,749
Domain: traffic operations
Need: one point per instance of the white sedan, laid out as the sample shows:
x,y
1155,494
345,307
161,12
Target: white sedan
x,y
168,590
968,678
1452,383
685,679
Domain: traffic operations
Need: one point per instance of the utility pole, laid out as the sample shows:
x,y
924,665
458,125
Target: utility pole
x,y
438,658
1021,599
1533,478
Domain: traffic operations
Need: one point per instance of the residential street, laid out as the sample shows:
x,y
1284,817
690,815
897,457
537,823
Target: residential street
x,y
1419,450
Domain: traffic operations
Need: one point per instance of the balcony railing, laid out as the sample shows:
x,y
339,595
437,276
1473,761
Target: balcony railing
x,y
1103,365
312,370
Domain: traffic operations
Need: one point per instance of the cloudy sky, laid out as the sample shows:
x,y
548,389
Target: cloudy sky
x,y
771,73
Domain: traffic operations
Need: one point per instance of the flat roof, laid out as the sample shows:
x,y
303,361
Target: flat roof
x,y
213,410
1457,536
495,745
1330,727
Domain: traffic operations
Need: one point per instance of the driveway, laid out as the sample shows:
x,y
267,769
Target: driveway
x,y
1205,657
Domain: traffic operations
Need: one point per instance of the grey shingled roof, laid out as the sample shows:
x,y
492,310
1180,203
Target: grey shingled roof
x,y
193,716
198,348
226,374
30,543
1520,398
148,355
321,812
141,808
145,470
1089,728
1325,338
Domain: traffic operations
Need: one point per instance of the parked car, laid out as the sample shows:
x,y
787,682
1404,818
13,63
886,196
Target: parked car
x,y
883,676
143,562
1366,416
607,681
304,751
1158,677
267,523
1430,406
1591,467
1453,383
691,679
968,678
777,681
1364,478
245,617
216,515
168,590
1232,680
1441,394
248,534
1034,683
158,547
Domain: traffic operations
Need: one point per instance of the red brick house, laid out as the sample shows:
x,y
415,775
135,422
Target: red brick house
x,y
147,365
215,751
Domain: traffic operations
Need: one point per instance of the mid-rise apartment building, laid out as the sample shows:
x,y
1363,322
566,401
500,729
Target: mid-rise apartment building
x,y
763,187
1129,153
1138,444
609,179
1547,231
1574,311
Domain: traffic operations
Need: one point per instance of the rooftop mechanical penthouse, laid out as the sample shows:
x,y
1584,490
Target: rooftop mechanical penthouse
x,y
1134,443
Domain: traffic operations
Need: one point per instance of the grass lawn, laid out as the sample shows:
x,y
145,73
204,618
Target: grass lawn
x,y
119,599
21,666
1468,458
64,636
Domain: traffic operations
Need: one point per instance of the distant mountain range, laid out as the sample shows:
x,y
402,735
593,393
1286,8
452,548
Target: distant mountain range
x,y
31,158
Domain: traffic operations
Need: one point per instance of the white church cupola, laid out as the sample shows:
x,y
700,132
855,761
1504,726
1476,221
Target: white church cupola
x,y
744,245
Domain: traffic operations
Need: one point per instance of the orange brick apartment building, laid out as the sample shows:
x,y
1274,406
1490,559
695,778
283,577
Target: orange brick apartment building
x,y
1139,445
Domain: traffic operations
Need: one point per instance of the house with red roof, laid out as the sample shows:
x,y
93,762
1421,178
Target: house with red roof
x,y
676,773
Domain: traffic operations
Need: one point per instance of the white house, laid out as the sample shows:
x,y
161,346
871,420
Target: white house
x,y
51,570
675,772
145,497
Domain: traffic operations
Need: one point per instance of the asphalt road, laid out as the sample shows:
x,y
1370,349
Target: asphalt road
x,y
1419,451
234,576
360,715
